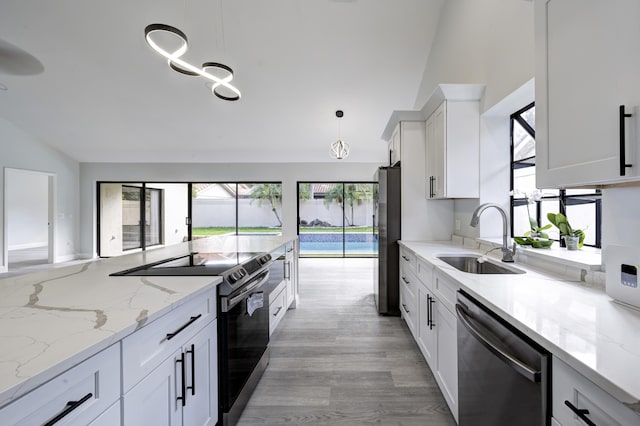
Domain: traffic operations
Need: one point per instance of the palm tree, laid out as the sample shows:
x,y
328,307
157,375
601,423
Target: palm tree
x,y
349,194
271,193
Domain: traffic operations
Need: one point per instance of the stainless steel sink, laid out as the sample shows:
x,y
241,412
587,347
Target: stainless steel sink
x,y
470,264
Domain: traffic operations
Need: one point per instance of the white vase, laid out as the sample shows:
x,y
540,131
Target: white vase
x,y
571,242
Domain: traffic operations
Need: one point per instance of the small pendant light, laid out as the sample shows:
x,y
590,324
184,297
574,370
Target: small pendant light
x,y
339,149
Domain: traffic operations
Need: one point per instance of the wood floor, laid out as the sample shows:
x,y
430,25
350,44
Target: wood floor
x,y
335,361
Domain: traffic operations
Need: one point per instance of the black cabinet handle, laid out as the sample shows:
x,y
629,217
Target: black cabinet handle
x,y
183,386
431,302
581,413
405,308
623,161
278,311
175,333
429,311
192,351
405,258
71,405
431,193
405,280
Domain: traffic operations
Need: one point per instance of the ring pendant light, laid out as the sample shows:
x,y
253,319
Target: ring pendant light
x,y
216,83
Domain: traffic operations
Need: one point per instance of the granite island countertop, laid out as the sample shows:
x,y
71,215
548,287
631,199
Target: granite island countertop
x,y
54,319
578,324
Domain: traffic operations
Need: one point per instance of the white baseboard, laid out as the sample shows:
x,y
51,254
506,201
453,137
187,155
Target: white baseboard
x,y
65,258
28,245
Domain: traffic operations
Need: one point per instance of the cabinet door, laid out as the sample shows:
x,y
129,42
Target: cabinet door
x,y
153,400
426,333
430,152
587,59
435,152
445,324
201,407
439,150
394,146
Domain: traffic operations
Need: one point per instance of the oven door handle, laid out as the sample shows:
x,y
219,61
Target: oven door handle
x,y
520,367
228,303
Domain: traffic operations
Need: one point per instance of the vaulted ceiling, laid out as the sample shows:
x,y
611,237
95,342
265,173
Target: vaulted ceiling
x,y
103,95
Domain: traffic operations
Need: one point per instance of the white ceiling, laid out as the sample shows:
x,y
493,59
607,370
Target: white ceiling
x,y
106,96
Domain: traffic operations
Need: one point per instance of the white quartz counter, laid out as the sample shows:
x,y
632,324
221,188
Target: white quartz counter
x,y
580,325
54,319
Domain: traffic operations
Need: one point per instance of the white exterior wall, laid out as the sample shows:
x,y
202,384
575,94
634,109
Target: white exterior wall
x,y
20,150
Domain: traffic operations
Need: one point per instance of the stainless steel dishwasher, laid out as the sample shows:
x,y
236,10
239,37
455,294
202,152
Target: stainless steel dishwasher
x,y
503,376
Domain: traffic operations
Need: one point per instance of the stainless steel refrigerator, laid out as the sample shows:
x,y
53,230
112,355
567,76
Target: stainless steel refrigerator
x,y
387,229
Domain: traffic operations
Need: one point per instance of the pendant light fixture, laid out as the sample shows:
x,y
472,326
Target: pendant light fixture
x,y
219,75
339,149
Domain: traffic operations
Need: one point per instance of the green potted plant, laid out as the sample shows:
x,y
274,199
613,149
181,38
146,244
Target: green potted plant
x,y
535,236
573,238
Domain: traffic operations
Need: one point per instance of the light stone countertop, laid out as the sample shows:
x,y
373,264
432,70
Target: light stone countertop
x,y
582,326
54,319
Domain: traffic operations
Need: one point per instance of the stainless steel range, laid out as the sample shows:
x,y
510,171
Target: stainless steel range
x,y
243,316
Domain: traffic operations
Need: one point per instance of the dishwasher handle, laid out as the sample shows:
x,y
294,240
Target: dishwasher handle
x,y
520,367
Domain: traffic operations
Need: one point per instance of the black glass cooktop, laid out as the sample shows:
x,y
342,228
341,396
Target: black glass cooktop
x,y
193,264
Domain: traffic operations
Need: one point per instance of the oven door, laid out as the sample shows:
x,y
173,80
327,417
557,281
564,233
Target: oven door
x,y
243,337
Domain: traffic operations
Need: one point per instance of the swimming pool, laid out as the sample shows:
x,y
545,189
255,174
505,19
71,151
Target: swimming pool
x,y
331,244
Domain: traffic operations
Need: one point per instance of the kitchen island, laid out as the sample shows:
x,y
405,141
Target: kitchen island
x,y
579,325
52,320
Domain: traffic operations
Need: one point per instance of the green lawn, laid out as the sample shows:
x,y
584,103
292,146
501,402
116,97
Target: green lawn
x,y
221,230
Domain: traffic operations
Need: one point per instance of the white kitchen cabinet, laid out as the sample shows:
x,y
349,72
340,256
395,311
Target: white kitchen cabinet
x,y
446,373
427,309
394,146
408,309
572,392
290,273
420,219
587,62
182,389
427,334
452,156
75,397
277,306
111,417
145,349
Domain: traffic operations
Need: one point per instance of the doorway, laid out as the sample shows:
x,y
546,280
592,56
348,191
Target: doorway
x,y
336,219
29,218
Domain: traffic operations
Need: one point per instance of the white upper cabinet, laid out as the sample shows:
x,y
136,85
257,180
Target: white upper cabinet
x,y
452,155
587,65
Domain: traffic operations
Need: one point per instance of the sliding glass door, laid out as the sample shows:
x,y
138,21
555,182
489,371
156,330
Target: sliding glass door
x,y
336,219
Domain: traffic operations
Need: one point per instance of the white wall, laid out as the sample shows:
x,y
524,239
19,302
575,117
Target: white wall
x,y
288,173
487,42
20,150
27,216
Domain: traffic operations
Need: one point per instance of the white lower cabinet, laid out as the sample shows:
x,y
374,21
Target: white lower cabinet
x,y
447,355
111,417
277,306
182,390
427,334
433,324
76,397
575,396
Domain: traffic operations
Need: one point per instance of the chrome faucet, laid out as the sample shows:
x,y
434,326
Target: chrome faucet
x,y
507,253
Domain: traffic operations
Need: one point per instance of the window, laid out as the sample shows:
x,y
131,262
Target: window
x,y
582,207
130,217
336,219
236,208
